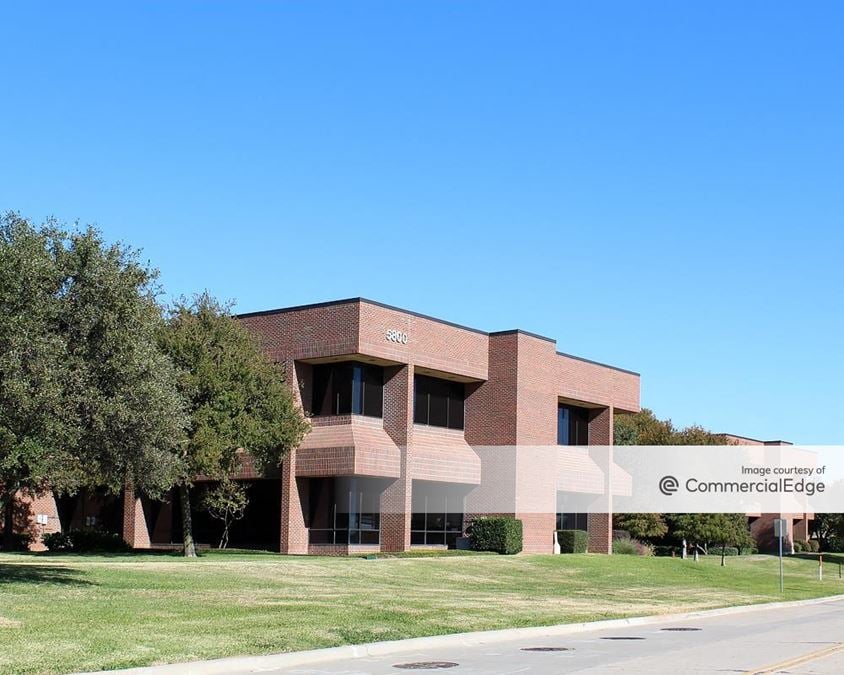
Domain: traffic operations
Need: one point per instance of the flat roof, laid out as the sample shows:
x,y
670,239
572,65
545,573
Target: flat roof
x,y
346,301
755,440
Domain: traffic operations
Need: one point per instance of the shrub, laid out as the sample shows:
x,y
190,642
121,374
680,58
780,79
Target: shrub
x,y
799,546
727,550
666,551
812,545
572,541
501,534
835,545
644,549
58,542
20,541
83,541
624,547
749,548
631,547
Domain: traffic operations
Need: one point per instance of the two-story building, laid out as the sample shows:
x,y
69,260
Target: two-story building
x,y
406,414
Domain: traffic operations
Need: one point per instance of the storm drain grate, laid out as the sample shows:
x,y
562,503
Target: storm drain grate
x,y
546,649
622,637
426,665
681,629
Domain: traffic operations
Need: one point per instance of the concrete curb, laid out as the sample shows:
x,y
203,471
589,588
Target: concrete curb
x,y
255,664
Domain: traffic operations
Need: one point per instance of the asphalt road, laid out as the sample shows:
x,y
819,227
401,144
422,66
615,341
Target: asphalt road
x,y
796,640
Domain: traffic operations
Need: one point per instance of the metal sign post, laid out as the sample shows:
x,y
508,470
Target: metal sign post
x,y
779,532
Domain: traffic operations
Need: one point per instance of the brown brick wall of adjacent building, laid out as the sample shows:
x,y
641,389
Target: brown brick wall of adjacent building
x,y
28,506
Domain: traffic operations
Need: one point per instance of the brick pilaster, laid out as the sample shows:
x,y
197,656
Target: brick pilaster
x,y
396,503
599,525
135,532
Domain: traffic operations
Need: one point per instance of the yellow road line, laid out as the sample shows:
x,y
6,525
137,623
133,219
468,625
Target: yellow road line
x,y
799,660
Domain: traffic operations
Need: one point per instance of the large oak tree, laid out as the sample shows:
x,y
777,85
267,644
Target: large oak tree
x,y
86,396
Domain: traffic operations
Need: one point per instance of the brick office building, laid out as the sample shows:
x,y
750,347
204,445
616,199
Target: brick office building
x,y
406,412
397,403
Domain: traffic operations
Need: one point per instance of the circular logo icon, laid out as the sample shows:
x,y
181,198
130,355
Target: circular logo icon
x,y
668,485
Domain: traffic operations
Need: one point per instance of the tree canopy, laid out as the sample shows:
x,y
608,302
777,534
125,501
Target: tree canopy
x,y
699,529
86,397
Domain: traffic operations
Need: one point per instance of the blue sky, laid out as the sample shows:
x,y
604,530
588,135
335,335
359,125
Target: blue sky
x,y
656,186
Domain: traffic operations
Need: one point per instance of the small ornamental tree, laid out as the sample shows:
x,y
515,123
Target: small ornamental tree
x,y
237,398
705,529
828,528
227,503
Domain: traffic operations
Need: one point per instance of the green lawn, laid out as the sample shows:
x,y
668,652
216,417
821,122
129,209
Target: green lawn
x,y
62,613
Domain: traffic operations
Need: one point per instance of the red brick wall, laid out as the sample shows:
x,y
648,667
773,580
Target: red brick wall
x,y
514,382
396,498
27,507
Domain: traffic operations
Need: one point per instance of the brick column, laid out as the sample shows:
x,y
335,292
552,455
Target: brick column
x,y
135,532
294,534
398,423
801,528
599,525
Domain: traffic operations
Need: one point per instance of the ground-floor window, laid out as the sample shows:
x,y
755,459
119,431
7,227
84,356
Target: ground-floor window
x,y
573,509
344,510
572,521
437,517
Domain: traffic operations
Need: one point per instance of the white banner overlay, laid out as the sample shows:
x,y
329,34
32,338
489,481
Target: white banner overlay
x,y
749,479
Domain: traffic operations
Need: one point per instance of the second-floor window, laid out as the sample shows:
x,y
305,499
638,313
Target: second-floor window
x,y
438,402
572,425
348,388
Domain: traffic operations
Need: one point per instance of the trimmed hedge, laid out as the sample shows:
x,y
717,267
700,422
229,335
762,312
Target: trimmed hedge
x,y
501,534
728,550
573,541
83,541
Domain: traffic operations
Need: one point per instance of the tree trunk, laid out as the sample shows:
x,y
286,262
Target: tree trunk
x,y
187,525
224,540
8,522
723,555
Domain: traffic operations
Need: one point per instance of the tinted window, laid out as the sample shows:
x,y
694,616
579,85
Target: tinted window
x,y
572,425
438,402
348,388
572,521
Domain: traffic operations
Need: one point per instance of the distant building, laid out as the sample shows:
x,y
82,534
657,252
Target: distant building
x,y
762,524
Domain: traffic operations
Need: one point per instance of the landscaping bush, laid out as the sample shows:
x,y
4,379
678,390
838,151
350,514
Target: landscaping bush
x,y
813,545
83,541
748,549
572,541
834,545
799,546
727,550
20,541
501,534
631,547
58,542
666,551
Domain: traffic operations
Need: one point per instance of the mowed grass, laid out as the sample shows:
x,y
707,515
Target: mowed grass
x,y
66,613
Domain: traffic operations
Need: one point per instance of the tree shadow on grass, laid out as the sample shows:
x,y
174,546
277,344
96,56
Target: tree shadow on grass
x,y
42,574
